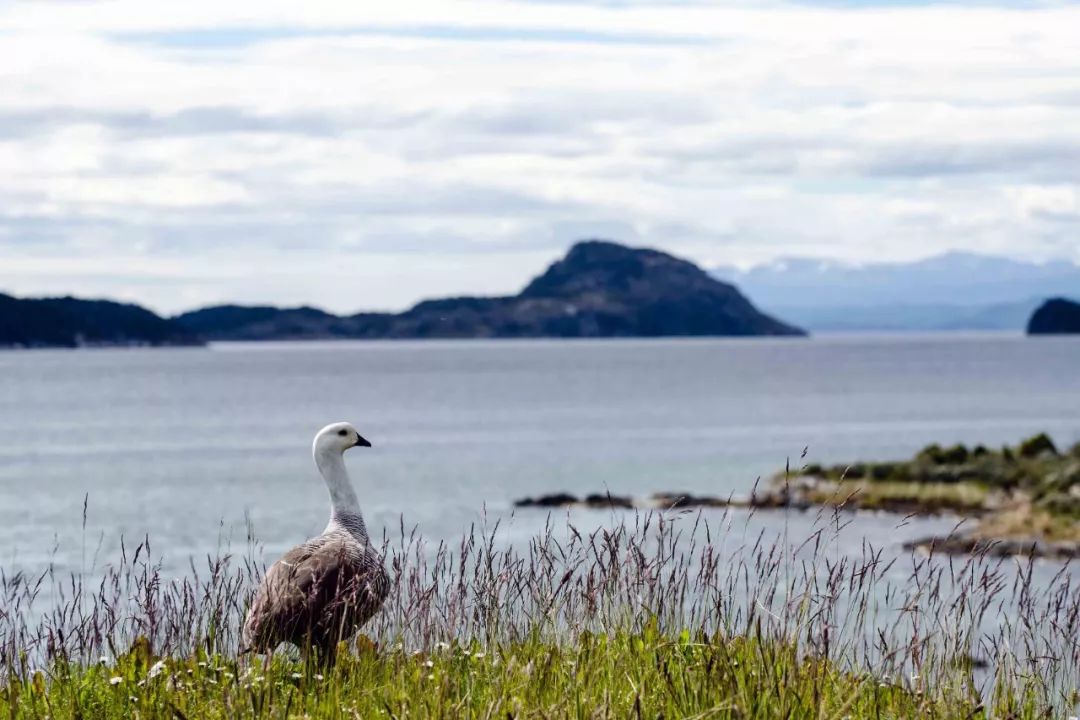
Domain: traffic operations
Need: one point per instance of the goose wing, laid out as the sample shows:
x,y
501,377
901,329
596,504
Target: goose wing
x,y
314,590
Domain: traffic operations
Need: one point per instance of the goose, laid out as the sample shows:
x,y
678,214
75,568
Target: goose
x,y
322,591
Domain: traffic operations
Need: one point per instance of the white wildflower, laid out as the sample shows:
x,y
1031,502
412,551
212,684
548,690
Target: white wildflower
x,y
296,676
103,660
318,677
116,680
157,668
431,676
429,663
442,646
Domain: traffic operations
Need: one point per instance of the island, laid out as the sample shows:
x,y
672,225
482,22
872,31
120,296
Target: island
x,y
599,289
1056,316
74,322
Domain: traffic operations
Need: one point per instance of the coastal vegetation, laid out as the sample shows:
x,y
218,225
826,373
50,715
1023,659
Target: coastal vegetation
x,y
1022,496
660,615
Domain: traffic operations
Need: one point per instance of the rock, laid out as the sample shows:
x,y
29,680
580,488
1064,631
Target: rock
x,y
596,500
551,500
665,501
685,500
1056,316
1007,547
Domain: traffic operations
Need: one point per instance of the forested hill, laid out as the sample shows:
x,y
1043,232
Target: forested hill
x,y
73,322
599,289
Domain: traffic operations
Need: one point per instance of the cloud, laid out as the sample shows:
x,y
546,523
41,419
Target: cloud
x,y
192,142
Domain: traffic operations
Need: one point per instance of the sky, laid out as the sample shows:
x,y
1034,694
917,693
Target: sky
x,y
360,155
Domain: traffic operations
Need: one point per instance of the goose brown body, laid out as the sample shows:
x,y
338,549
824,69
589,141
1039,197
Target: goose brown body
x,y
316,595
322,591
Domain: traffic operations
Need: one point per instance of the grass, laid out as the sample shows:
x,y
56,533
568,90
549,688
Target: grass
x,y
1024,520
903,495
658,615
643,674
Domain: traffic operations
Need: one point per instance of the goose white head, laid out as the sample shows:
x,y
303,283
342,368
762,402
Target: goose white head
x,y
337,437
328,449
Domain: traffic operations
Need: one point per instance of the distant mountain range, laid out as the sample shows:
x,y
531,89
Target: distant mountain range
x,y
954,291
599,289
603,289
71,322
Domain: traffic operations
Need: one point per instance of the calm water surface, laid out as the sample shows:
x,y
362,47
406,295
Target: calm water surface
x,y
190,445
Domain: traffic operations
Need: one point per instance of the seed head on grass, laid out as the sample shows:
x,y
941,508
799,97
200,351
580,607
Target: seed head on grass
x,y
658,614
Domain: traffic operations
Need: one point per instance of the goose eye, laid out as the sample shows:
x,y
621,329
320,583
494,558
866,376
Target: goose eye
x,y
342,433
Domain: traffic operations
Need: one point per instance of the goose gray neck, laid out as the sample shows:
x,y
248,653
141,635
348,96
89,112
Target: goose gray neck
x,y
344,505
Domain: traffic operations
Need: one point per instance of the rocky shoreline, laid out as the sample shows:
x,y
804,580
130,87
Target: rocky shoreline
x,y
1024,500
656,501
996,547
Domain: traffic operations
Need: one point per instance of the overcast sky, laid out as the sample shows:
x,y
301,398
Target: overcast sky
x,y
354,154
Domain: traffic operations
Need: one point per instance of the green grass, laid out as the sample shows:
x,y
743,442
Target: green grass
x,y
656,615
903,495
645,674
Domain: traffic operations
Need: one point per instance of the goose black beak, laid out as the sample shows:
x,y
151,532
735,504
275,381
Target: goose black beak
x,y
361,442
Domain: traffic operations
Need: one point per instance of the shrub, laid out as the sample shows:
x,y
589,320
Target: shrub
x,y
955,455
1037,445
1062,503
855,471
884,471
942,456
932,453
1064,479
